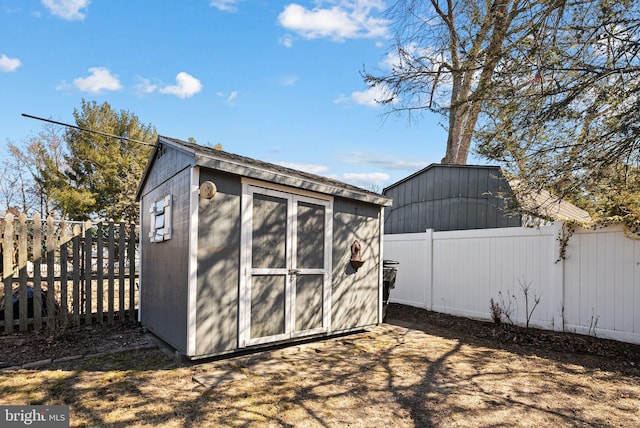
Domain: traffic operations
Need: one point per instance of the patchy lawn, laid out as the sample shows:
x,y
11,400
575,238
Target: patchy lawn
x,y
422,370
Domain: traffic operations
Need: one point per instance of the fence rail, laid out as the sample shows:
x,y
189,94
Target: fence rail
x,y
59,274
587,283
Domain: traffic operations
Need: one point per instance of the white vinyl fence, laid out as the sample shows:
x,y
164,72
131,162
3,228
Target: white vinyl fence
x,y
594,289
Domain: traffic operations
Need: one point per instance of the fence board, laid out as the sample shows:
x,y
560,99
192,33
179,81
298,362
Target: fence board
x,y
7,271
132,269
121,268
37,273
111,272
88,246
52,322
23,256
73,288
100,272
76,244
64,274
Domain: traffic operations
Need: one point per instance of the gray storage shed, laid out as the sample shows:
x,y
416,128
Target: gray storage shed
x,y
239,253
450,197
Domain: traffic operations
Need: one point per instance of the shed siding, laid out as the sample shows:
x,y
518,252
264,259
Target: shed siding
x,y
164,265
445,197
218,265
355,294
191,284
166,166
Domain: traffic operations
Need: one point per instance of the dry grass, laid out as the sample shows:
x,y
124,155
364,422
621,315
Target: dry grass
x,y
387,376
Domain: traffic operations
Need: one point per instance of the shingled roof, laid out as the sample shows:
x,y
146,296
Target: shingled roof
x,y
542,203
265,171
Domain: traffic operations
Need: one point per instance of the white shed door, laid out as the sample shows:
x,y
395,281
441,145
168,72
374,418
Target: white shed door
x,y
286,287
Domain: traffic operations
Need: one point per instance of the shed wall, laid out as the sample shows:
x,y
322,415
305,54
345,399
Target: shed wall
x,y
164,265
354,296
449,198
218,265
165,166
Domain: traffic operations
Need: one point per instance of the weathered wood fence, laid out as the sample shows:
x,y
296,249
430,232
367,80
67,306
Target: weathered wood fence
x,y
59,274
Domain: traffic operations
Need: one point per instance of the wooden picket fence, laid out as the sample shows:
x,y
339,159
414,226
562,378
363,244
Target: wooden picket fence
x,y
62,274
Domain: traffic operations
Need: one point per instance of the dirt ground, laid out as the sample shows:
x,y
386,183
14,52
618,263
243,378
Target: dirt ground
x,y
420,369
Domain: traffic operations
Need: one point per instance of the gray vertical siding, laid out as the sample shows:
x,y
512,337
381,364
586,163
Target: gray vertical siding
x,y
218,265
354,296
449,197
164,265
165,272
166,166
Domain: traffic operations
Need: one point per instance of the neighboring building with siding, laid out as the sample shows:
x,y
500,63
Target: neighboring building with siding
x,y
238,253
449,197
460,197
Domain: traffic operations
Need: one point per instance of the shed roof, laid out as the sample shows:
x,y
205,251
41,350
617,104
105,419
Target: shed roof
x,y
209,157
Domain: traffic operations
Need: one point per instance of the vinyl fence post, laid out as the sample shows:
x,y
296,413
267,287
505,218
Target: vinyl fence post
x,y
429,266
557,276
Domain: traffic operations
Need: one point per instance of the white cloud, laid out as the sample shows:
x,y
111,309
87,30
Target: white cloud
x,y
370,97
9,64
286,40
225,5
306,167
288,80
144,86
99,80
186,86
366,178
230,98
383,161
71,10
338,21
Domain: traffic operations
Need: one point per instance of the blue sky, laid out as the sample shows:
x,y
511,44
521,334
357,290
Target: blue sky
x,y
275,81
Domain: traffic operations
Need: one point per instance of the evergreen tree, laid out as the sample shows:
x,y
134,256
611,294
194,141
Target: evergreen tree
x,y
101,173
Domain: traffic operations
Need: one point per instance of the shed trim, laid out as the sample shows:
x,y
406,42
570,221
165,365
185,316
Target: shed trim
x,y
193,262
140,270
244,301
328,254
381,266
244,166
287,189
265,175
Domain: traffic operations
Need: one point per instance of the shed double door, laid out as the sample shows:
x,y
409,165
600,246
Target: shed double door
x,y
285,290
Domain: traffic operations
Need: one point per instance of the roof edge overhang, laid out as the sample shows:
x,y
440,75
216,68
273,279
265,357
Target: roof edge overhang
x,y
270,176
267,172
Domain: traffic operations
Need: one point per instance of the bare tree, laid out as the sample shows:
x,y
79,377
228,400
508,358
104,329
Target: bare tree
x,y
24,193
25,168
8,185
446,56
573,127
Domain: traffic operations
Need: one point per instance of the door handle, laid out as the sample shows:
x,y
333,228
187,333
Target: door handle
x,y
294,272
